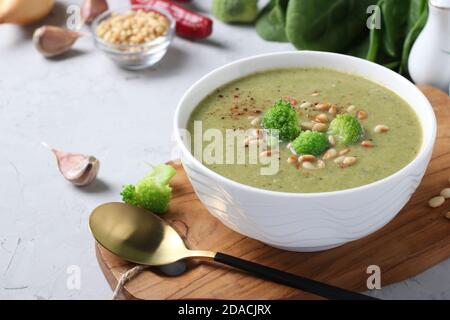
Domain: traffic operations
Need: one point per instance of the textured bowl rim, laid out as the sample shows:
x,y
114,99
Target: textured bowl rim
x,y
426,148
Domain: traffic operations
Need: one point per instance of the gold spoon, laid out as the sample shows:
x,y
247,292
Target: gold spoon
x,y
142,237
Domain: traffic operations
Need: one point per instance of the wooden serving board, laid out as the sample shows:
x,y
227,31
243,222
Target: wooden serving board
x,y
418,238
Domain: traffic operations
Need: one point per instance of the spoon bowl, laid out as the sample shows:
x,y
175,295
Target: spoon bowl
x,y
138,235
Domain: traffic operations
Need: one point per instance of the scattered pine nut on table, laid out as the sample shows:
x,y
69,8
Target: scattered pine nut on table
x,y
436,202
446,193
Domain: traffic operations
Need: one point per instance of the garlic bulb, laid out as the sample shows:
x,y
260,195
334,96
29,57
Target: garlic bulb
x,y
24,12
91,9
52,41
79,169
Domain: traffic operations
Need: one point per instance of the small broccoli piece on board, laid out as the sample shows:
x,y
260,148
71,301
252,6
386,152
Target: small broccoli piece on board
x,y
282,118
153,192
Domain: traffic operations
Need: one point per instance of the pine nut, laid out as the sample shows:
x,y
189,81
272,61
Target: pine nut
x,y
361,115
306,105
289,145
322,118
332,140
344,151
321,164
320,127
351,108
291,100
315,94
339,160
292,159
256,133
333,110
307,157
349,161
436,202
307,125
267,153
308,165
330,154
134,27
323,106
367,144
446,193
255,122
447,215
381,129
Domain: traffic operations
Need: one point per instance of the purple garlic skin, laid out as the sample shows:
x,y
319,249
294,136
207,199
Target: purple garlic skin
x,y
91,9
52,41
79,169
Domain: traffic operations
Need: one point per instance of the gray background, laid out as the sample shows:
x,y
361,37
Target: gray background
x,y
84,103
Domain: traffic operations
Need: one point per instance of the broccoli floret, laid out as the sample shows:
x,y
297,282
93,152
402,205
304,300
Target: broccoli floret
x,y
235,10
346,128
283,118
153,192
310,142
129,195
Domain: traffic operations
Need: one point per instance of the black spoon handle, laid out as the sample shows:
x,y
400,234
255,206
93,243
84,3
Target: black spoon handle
x,y
292,280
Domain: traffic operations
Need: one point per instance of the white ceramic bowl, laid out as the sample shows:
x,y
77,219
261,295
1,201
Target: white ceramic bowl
x,y
306,221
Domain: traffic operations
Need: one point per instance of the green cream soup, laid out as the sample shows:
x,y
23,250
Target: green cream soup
x,y
235,105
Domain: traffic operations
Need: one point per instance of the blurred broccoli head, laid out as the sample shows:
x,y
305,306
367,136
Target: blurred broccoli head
x,y
235,10
346,128
153,192
310,142
282,118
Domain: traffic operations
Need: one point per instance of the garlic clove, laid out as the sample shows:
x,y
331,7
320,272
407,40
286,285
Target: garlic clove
x,y
90,173
91,9
52,41
24,12
72,166
79,169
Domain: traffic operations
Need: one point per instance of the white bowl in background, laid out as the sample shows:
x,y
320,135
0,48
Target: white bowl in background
x,y
306,221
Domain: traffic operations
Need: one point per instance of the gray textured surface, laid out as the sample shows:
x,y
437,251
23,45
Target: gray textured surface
x,y
84,103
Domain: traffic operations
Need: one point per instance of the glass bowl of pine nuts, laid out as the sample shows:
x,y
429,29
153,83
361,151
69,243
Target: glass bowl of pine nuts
x,y
134,37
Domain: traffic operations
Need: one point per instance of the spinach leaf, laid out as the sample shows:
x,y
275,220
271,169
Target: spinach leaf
x,y
375,35
327,25
376,51
341,26
360,49
402,22
414,31
399,18
395,23
271,23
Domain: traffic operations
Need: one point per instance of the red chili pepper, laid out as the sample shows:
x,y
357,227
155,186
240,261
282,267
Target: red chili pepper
x,y
189,23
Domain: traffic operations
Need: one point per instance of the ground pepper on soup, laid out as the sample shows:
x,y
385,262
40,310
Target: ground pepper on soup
x,y
350,130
